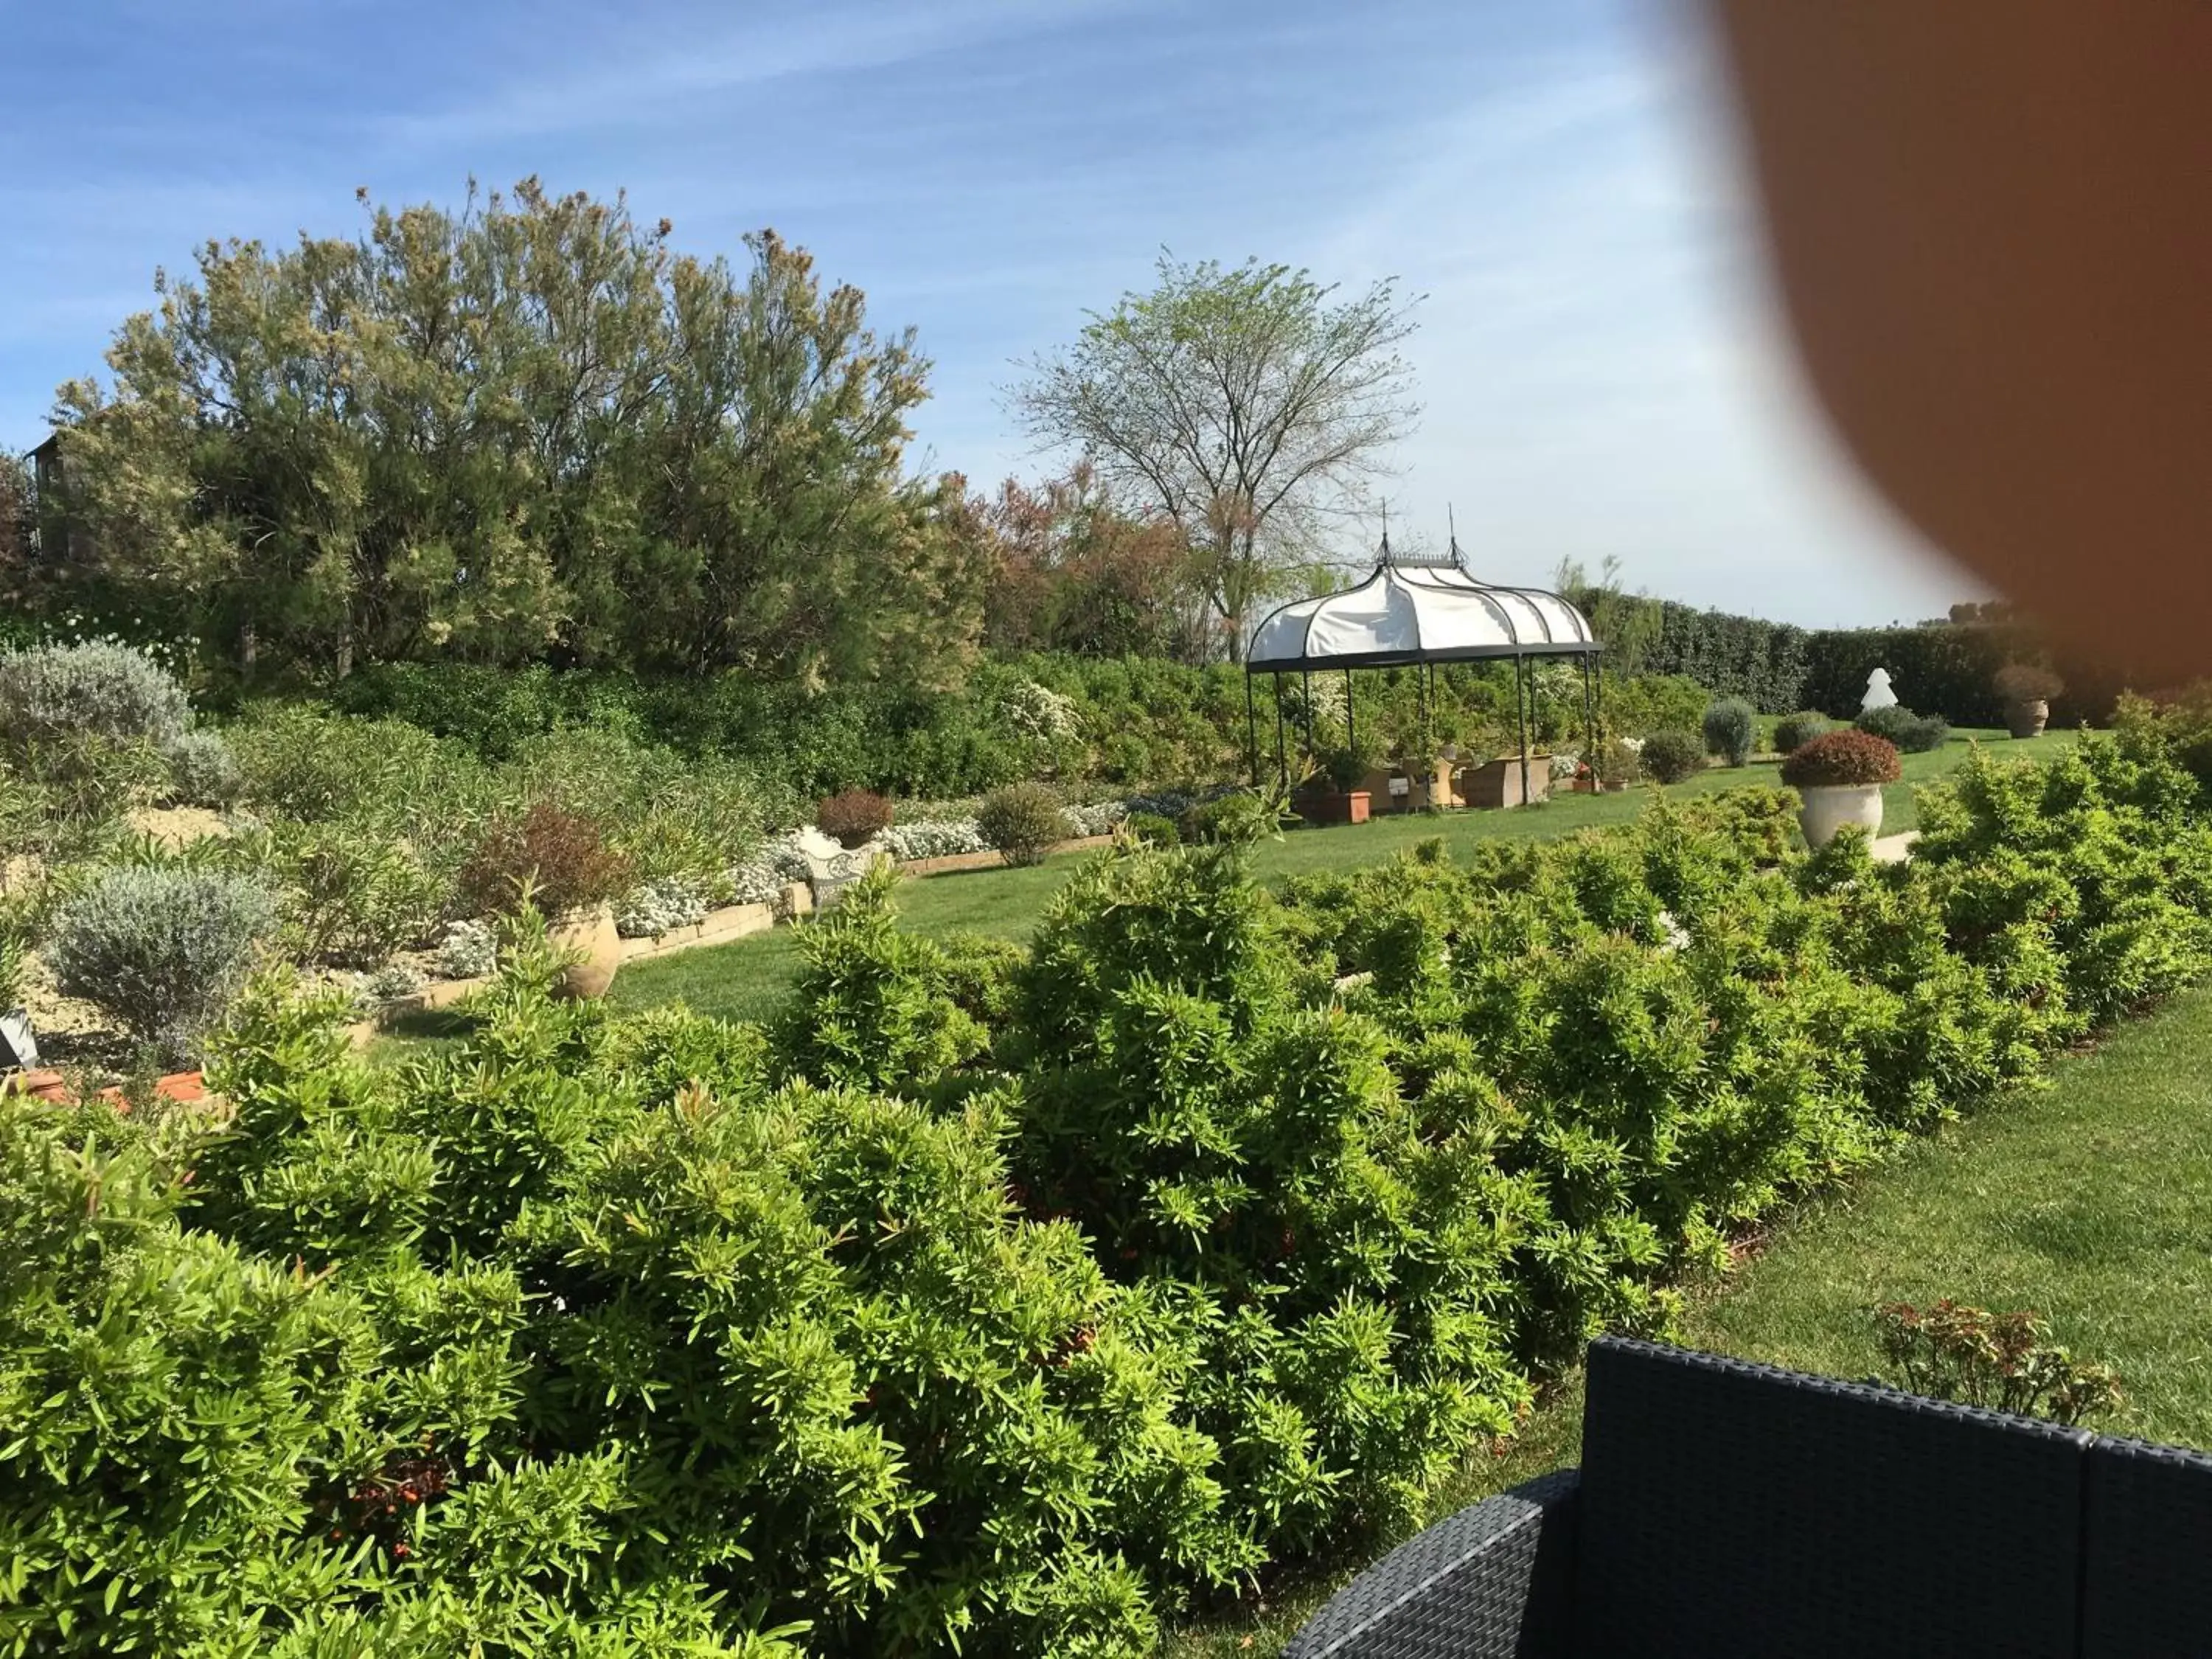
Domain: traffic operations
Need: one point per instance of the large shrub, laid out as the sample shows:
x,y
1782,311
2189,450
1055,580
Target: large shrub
x,y
162,949
101,688
352,895
1729,726
557,862
589,1339
304,762
1655,702
1672,756
1023,821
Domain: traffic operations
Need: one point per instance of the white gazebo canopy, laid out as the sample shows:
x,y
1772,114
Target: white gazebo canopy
x,y
1413,611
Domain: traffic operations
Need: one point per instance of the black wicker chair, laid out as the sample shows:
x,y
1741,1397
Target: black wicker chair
x,y
1726,1511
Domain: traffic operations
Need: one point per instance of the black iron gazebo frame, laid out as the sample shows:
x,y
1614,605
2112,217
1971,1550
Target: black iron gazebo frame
x,y
1520,653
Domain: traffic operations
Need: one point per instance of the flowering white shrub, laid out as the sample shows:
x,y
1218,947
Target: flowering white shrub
x,y
1564,763
942,838
1098,818
469,950
655,908
1039,711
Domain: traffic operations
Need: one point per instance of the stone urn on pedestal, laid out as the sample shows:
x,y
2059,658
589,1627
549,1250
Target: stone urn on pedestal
x,y
1839,779
2028,689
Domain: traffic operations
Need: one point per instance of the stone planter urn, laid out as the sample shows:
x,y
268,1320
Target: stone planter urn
x,y
590,938
1828,807
2026,717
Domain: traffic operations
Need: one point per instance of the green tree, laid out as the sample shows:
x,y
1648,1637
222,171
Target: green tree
x,y
525,428
1247,403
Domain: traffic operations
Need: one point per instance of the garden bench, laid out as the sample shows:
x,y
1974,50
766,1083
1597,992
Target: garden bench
x,y
831,867
1730,1510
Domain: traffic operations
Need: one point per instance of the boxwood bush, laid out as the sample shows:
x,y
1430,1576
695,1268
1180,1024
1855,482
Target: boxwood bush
x,y
1672,756
1912,733
1793,732
997,1300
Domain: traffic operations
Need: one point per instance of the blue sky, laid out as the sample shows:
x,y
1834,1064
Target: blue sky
x,y
1599,368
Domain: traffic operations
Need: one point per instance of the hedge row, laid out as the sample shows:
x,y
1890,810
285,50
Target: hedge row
x,y
1950,670
1947,668
998,1300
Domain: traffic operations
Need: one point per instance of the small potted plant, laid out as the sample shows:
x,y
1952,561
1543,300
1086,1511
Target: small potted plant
x,y
1585,779
1840,777
1346,768
2028,689
1617,764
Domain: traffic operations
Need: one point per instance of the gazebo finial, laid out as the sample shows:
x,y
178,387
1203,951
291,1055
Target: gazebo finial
x,y
1386,533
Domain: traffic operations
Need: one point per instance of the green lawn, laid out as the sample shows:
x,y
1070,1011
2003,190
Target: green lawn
x,y
2089,1200
747,980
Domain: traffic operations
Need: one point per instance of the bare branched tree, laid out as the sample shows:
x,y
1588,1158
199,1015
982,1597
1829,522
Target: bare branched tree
x,y
1250,404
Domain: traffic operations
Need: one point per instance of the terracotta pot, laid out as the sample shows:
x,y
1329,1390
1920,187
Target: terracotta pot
x,y
1829,806
1333,806
2027,719
593,939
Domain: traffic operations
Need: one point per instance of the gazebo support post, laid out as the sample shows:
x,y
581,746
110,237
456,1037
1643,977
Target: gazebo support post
x,y
1350,731
1251,731
1282,758
1428,748
1305,679
1521,698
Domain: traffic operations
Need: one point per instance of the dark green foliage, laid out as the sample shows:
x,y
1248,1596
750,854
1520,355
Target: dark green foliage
x,y
1671,757
1729,726
1913,734
1793,732
1153,828
1023,821
1237,819
1950,668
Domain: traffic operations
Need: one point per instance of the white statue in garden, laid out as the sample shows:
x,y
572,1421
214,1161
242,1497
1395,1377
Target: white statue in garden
x,y
1878,694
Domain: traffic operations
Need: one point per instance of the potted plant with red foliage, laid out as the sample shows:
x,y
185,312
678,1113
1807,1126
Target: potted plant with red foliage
x,y
1840,777
559,863
2028,689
